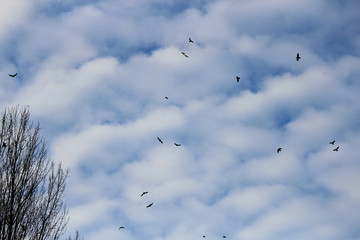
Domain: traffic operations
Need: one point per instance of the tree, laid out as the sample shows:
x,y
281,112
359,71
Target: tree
x,y
77,236
31,184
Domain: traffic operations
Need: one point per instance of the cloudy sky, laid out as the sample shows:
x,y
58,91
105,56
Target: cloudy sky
x,y
95,74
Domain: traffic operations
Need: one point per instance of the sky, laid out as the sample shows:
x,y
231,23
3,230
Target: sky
x,y
95,75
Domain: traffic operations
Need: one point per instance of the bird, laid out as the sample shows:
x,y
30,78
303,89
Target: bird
x,y
143,194
184,54
203,236
13,75
332,143
159,140
121,227
237,78
279,150
177,144
336,149
191,41
166,97
298,57
224,236
149,205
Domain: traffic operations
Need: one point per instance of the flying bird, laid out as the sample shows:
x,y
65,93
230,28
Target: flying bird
x,y
184,54
159,140
336,149
143,194
279,150
204,236
149,205
121,227
224,236
191,41
13,75
166,98
177,144
333,142
237,78
298,57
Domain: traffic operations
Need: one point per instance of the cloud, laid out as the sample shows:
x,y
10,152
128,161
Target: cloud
x,y
95,75
9,20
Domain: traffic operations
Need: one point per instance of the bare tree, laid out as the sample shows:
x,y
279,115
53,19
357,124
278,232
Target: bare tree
x,y
31,184
77,236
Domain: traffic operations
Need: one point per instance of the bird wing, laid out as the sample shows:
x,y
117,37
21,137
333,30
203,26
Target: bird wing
x,y
12,75
184,54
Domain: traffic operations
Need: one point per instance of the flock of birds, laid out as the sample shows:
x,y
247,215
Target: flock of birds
x,y
332,143
178,144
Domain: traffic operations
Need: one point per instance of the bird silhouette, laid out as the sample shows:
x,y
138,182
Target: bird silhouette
x,y
121,227
298,57
204,236
13,75
184,54
143,194
191,41
166,98
237,78
177,144
279,150
333,142
159,140
336,149
149,205
224,236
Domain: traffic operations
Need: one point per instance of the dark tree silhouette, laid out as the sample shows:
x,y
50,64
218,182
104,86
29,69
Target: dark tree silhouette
x,y
77,236
31,184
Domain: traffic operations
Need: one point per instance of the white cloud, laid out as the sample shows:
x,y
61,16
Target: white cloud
x,y
96,74
13,14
